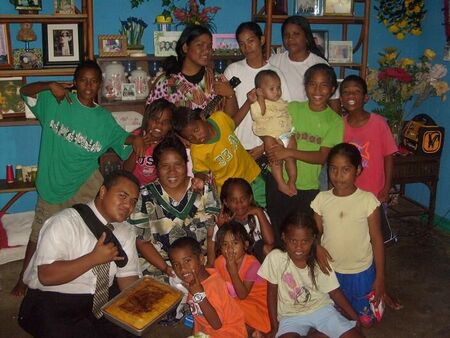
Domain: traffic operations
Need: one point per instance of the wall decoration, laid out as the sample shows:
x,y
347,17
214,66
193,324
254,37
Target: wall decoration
x,y
28,6
64,7
6,60
62,44
165,42
28,58
308,7
338,7
225,44
340,51
280,7
321,40
112,45
128,91
11,103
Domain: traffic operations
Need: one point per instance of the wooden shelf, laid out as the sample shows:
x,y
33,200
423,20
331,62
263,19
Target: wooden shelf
x,y
34,18
58,71
18,121
16,187
316,19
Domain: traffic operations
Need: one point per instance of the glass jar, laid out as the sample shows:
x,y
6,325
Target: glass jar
x,y
113,77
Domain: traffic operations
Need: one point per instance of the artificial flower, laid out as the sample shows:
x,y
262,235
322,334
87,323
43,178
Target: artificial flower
x,y
429,54
196,13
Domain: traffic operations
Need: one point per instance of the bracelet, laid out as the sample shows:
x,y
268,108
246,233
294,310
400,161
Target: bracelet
x,y
198,297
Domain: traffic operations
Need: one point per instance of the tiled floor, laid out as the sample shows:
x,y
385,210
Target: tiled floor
x,y
418,272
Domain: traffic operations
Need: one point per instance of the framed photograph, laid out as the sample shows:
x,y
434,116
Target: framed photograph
x,y
308,7
165,42
128,91
62,44
338,7
321,40
64,7
31,5
280,7
6,60
28,58
112,45
225,44
11,103
340,51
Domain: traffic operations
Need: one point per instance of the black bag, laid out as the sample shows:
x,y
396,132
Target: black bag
x,y
422,136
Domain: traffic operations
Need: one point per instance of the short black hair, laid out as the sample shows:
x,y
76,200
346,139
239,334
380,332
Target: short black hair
x,y
170,142
183,116
156,107
88,64
259,78
111,179
357,79
185,243
236,229
321,67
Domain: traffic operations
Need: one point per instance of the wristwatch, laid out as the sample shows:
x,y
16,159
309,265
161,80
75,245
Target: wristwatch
x,y
198,297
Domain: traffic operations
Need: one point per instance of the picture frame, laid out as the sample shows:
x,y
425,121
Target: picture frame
x,y
112,45
225,44
321,40
64,7
165,42
26,5
62,44
280,7
338,7
11,103
6,60
308,7
340,51
28,58
128,91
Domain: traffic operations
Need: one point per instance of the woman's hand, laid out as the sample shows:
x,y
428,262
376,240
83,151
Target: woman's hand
x,y
222,87
60,90
277,153
323,259
256,152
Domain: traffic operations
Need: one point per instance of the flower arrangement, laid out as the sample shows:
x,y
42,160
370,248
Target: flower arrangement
x,y
133,28
196,13
402,16
399,80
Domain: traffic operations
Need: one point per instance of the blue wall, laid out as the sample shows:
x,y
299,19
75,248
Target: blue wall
x,y
20,145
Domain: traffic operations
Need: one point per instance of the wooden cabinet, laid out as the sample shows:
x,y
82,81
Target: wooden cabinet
x,y
85,18
361,23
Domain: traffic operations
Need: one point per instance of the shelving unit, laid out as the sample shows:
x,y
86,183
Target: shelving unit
x,y
85,18
269,19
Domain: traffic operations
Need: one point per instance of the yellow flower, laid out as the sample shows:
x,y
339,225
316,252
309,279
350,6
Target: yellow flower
x,y
400,36
402,23
416,31
441,87
406,62
390,56
417,9
385,22
393,28
429,54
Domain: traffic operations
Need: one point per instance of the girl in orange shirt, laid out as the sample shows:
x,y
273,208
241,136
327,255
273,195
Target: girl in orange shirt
x,y
239,271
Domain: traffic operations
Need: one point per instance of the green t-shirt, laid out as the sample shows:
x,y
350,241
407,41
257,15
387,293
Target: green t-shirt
x,y
312,131
73,138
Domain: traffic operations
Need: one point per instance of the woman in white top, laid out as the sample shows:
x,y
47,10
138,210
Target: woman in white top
x,y
251,40
301,53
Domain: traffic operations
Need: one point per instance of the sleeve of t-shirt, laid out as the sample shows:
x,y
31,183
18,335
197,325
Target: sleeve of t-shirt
x,y
270,267
38,104
198,165
252,273
326,283
117,138
316,203
371,204
335,133
159,91
225,118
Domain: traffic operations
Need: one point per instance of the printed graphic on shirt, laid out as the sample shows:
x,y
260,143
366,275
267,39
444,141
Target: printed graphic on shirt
x,y
365,154
226,155
299,294
308,137
195,308
76,138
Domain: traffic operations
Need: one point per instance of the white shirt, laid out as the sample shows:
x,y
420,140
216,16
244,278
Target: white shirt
x,y
247,75
294,73
65,236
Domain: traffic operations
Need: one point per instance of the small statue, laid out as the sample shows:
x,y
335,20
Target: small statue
x,y
26,32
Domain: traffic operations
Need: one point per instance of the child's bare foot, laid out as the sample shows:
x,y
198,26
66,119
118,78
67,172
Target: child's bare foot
x,y
284,188
19,289
292,188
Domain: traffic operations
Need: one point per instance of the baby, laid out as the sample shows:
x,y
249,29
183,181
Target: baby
x,y
272,122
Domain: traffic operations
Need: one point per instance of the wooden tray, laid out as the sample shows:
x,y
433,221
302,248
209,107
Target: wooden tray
x,y
141,304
